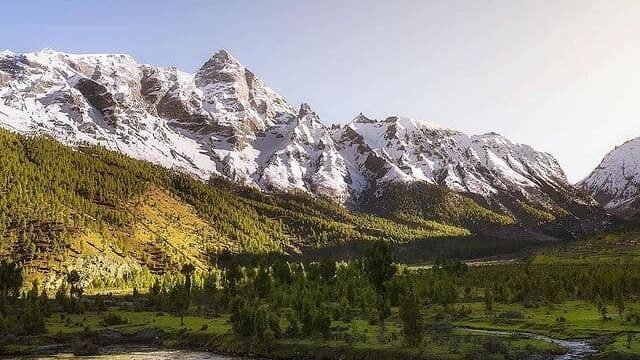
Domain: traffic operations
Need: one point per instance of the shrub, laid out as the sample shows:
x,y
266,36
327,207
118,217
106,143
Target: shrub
x,y
494,345
511,315
112,319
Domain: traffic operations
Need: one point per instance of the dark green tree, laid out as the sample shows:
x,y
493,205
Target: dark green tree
x,y
412,322
73,278
379,267
11,279
180,300
262,282
187,270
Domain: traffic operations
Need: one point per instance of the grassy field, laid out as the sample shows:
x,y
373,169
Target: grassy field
x,y
568,320
356,339
621,247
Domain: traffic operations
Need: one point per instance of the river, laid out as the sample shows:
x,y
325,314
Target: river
x,y
139,353
576,349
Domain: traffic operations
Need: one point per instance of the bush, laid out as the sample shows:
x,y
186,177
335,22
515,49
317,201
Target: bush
x,y
112,319
511,315
266,325
343,311
33,321
494,345
260,322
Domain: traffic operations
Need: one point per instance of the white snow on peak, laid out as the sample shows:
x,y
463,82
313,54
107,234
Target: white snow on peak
x,y
225,121
615,182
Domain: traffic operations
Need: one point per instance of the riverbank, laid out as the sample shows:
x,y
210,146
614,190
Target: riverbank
x,y
83,334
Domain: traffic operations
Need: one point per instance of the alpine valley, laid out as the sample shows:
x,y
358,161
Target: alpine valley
x,y
156,166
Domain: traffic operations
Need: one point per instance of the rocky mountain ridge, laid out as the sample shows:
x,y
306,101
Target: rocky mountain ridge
x,y
615,182
224,121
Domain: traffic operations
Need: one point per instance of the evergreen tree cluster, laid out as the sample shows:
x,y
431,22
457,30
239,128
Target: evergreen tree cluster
x,y
50,194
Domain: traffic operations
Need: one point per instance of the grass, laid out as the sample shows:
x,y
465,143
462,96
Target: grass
x,y
621,345
215,334
581,320
566,320
136,321
622,247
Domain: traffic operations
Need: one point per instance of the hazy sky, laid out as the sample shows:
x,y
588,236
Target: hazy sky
x,y
560,75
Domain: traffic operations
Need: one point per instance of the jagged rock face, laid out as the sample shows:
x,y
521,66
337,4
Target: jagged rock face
x,y
489,167
238,99
98,97
615,183
224,121
304,157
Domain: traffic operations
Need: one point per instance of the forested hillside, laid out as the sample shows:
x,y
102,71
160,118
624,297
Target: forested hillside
x,y
123,220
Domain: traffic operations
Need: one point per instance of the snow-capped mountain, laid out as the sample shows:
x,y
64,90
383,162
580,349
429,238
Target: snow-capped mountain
x,y
615,183
488,166
224,121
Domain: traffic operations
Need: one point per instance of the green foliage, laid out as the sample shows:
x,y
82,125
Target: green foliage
x,y
378,264
379,267
412,322
52,194
180,300
73,278
35,311
415,202
10,279
535,213
112,319
260,322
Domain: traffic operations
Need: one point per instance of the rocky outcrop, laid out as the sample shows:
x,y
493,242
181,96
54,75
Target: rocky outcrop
x,y
99,97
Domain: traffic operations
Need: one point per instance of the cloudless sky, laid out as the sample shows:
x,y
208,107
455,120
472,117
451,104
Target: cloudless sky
x,y
560,75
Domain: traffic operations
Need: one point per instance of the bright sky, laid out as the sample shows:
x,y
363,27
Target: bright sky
x,y
560,75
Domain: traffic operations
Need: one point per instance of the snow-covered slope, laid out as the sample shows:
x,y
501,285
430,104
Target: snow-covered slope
x,y
488,166
615,183
224,121
221,121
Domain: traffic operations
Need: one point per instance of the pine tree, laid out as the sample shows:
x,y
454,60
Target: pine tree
x,y
379,267
412,322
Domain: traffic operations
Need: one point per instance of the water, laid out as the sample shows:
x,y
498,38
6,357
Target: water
x,y
140,354
576,349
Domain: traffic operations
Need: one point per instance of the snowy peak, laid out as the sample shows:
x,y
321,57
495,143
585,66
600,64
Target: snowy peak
x,y
615,182
362,120
237,98
489,166
305,109
225,121
221,67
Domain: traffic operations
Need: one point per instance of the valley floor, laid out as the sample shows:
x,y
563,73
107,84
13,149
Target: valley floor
x,y
612,338
467,327
86,333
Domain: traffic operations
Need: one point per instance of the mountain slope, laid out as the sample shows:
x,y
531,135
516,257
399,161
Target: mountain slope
x,y
223,121
123,220
615,182
488,167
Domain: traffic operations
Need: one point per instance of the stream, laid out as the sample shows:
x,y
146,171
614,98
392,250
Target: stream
x,y
138,353
576,349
